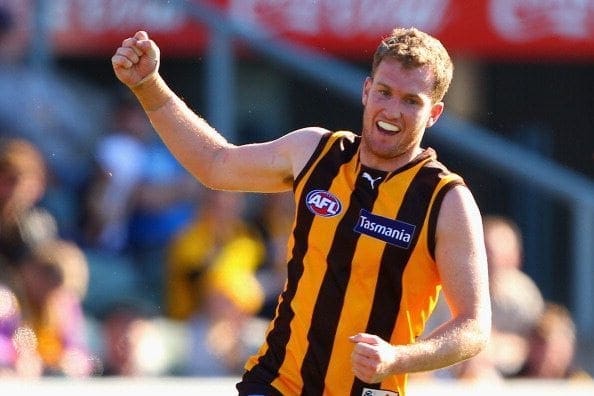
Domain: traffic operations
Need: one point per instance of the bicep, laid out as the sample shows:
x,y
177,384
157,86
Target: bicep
x,y
460,255
263,167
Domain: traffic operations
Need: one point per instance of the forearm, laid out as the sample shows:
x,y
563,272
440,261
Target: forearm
x,y
453,342
190,138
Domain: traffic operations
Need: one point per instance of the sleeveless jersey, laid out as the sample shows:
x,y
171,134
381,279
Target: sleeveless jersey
x,y
360,259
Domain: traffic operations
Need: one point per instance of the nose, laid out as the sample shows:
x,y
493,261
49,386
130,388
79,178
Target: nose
x,y
393,109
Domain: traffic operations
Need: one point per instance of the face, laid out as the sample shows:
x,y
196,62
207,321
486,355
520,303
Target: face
x,y
397,110
19,189
503,248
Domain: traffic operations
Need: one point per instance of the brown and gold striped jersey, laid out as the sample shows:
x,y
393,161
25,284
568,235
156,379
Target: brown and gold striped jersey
x,y
360,259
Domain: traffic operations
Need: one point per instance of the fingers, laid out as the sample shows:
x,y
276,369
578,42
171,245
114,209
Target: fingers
x,y
365,338
133,49
139,47
133,44
363,367
365,357
141,35
145,45
125,57
364,352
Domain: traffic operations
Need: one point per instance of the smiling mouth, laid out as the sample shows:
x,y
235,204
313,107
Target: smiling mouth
x,y
387,127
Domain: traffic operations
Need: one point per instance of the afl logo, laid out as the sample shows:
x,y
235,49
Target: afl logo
x,y
323,203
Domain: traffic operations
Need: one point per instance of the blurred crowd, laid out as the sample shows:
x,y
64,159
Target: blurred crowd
x,y
531,337
166,277
114,261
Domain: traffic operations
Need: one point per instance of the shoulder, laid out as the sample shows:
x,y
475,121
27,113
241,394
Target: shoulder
x,y
459,217
308,136
314,138
458,202
300,140
300,145
315,134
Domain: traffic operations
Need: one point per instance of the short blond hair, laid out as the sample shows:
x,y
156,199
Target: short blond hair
x,y
414,48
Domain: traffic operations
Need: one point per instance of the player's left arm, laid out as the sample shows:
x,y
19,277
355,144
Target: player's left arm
x,y
462,264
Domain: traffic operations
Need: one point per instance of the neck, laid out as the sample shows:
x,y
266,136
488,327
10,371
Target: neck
x,y
389,164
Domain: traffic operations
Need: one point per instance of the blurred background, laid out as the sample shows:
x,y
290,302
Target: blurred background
x,y
166,266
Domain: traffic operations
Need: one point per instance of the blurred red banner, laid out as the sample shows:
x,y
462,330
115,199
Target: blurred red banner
x,y
527,30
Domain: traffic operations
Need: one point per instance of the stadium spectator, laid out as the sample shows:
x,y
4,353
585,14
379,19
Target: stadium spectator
x,y
118,167
164,202
46,107
517,305
54,278
136,198
503,241
218,237
23,181
516,299
225,330
552,347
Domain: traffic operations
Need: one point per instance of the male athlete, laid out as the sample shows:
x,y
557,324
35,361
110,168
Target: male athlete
x,y
381,227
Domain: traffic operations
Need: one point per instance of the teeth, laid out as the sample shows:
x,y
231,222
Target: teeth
x,y
388,127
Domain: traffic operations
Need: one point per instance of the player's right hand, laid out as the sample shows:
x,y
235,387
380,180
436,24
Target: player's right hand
x,y
137,60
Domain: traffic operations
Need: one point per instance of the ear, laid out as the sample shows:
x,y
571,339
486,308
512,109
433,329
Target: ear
x,y
366,89
436,112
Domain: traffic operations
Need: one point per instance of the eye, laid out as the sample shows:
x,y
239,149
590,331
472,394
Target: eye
x,y
412,100
384,92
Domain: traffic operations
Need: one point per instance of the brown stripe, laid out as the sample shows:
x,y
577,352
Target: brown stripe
x,y
313,157
435,213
